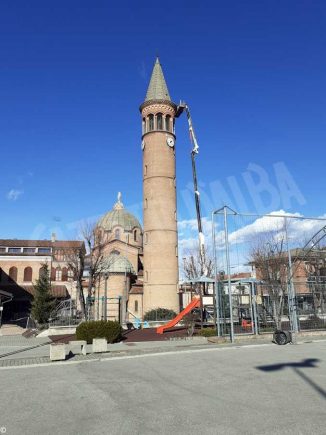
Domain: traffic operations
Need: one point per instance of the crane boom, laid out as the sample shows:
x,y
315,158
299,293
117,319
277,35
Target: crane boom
x,y
194,151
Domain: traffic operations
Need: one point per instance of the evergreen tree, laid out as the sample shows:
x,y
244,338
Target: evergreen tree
x,y
43,302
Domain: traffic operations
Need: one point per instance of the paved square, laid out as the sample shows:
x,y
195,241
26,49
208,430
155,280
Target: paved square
x,y
264,389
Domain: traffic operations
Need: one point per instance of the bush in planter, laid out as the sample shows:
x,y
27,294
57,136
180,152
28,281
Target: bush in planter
x,y
99,329
207,332
159,314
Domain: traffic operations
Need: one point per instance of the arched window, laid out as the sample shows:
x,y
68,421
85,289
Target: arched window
x,y
159,121
52,274
117,234
135,235
28,274
13,273
64,274
58,274
136,306
144,125
150,122
168,122
115,252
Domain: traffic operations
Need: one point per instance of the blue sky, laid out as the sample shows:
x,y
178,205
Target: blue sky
x,y
73,75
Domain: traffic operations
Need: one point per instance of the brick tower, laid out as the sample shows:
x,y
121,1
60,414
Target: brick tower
x,y
159,196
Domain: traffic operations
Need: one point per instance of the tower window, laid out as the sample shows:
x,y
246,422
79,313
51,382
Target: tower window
x,y
168,122
136,306
144,125
159,121
150,122
117,234
135,235
145,170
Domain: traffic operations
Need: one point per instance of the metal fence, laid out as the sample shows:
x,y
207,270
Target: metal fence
x,y
270,272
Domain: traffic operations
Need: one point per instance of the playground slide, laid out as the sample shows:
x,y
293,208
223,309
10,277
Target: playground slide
x,y
193,304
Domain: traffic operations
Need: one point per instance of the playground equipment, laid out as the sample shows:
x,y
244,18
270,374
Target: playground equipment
x,y
193,304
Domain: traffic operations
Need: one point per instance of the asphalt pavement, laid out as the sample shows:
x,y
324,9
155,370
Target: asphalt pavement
x,y
256,389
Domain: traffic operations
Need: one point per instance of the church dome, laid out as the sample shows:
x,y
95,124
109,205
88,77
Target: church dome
x,y
119,217
116,264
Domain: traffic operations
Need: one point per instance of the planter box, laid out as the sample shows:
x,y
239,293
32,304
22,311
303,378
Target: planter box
x,y
100,345
78,347
57,352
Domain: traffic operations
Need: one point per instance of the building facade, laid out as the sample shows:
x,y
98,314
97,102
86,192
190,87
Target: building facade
x,y
20,264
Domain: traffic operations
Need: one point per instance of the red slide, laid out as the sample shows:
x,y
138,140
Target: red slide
x,y
193,304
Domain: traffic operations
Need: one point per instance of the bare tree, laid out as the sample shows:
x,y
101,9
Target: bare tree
x,y
270,259
95,242
193,264
90,259
75,257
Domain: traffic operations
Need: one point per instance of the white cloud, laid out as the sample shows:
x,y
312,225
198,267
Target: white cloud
x,y
14,194
244,230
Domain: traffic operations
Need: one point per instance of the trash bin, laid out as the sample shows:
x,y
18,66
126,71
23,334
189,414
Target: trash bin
x,y
282,337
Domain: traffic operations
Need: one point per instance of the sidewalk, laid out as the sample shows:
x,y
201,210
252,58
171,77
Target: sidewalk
x,y
20,351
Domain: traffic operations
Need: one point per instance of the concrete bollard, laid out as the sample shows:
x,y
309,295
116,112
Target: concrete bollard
x,y
78,347
100,345
57,352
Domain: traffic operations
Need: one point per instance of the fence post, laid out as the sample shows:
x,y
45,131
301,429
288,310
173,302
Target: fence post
x,y
291,291
216,287
254,305
226,235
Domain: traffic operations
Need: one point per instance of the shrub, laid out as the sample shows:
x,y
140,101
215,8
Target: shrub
x,y
99,329
159,314
207,332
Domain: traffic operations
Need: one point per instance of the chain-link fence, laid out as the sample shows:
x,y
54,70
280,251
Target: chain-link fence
x,y
271,271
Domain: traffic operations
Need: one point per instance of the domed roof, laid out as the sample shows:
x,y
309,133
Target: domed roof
x,y
119,216
115,263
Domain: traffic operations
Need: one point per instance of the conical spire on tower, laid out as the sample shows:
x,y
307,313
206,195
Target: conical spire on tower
x,y
157,89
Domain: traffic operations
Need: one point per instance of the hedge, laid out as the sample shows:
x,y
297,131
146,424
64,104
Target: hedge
x,y
160,314
99,329
207,332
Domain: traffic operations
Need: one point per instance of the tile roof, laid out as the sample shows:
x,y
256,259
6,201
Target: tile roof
x,y
157,89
